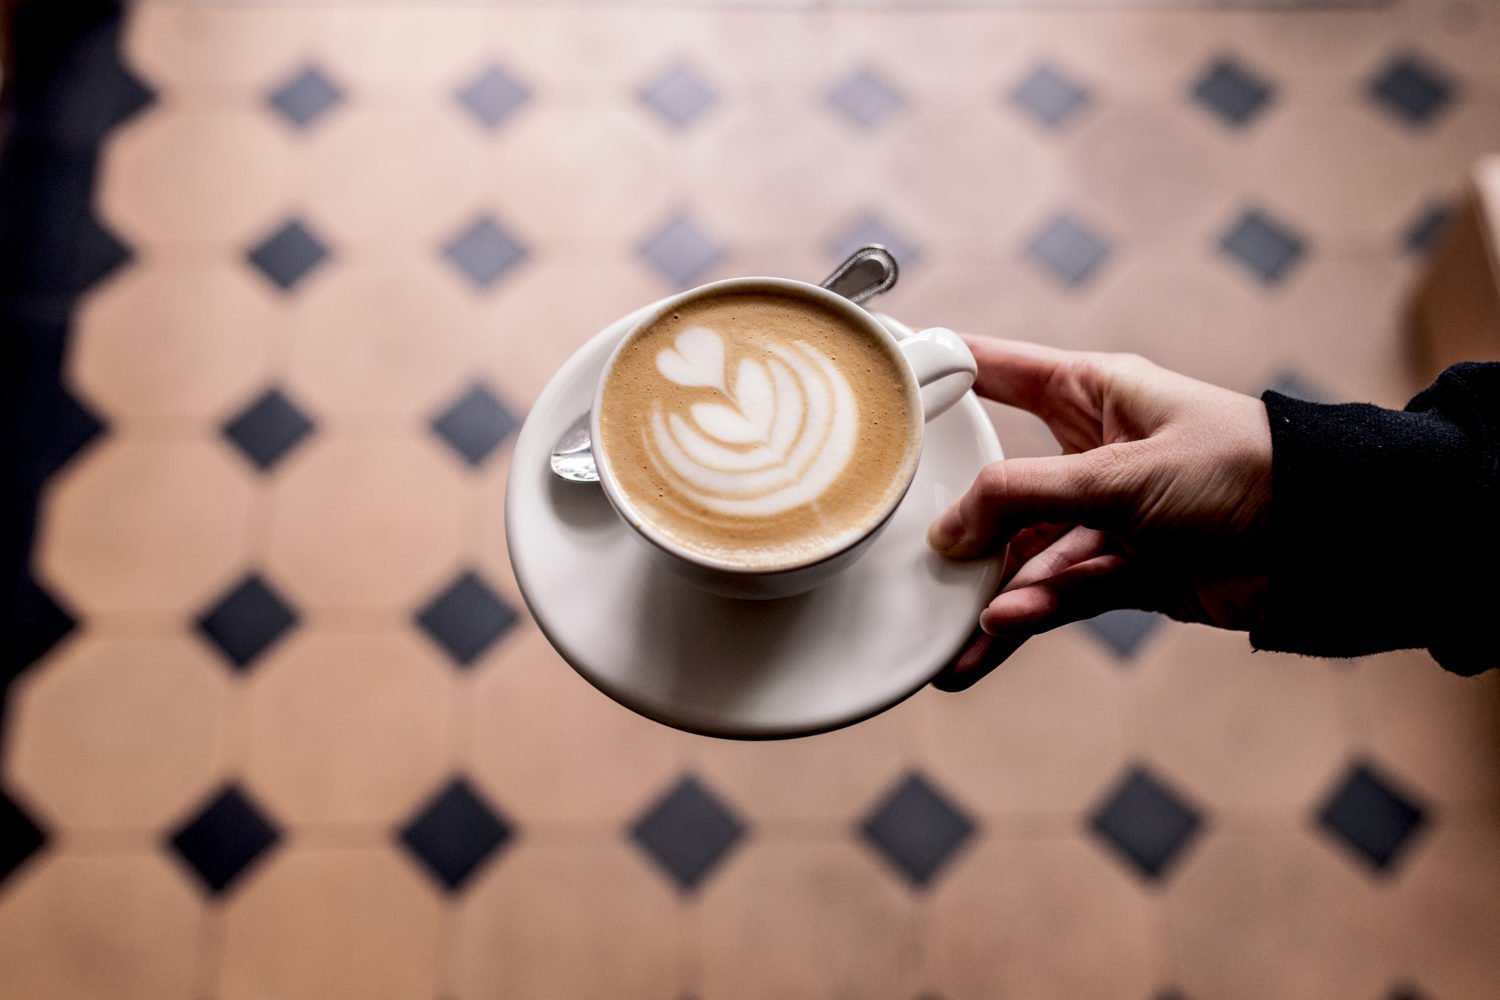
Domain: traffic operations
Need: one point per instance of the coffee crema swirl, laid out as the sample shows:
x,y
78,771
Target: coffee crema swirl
x,y
760,429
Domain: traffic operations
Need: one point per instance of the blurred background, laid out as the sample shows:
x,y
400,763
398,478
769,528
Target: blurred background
x,y
279,283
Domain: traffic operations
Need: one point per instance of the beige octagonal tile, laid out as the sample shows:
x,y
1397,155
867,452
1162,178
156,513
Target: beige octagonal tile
x,y
145,525
405,53
1041,917
573,918
209,54
1187,311
1240,729
382,343
1448,905
368,520
1340,169
953,63
1317,45
161,343
1439,729
120,732
550,748
993,299
833,777
617,50
348,728
807,918
196,176
113,927
380,174
783,188
332,922
1040,734
1140,53
595,179
1147,171
1339,323
1269,912
546,312
968,182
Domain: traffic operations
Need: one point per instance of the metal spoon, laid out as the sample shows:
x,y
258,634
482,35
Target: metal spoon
x,y
866,273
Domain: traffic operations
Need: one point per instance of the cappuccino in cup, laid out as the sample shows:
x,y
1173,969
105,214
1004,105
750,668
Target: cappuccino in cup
x,y
759,429
757,434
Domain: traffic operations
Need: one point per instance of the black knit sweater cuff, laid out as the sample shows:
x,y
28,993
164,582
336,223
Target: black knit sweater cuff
x,y
1366,552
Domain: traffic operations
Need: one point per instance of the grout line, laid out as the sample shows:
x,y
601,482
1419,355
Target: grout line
x,y
210,951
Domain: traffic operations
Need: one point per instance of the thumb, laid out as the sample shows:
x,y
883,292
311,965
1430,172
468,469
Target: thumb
x,y
1094,488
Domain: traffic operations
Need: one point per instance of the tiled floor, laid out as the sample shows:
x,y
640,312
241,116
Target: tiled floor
x,y
296,736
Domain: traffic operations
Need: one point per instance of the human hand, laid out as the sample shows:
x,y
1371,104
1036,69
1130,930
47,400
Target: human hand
x,y
1160,500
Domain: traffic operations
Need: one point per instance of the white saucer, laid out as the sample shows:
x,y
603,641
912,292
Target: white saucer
x,y
853,647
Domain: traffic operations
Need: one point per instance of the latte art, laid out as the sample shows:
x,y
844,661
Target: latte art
x,y
774,437
763,430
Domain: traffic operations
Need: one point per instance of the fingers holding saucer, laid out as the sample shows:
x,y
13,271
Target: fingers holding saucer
x,y
980,655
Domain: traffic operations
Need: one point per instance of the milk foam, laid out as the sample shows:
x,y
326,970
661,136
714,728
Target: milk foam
x,y
773,437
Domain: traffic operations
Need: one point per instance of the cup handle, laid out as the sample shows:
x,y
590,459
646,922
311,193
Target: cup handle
x,y
943,365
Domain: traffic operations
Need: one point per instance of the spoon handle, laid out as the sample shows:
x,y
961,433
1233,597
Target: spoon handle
x,y
866,273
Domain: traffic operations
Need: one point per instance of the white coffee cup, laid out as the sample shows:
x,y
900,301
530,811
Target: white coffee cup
x,y
941,370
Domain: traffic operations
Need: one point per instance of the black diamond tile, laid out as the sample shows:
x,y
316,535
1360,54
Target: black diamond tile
x,y
67,79
130,97
70,426
681,252
1427,228
1264,247
224,839
917,830
1124,632
1049,96
1294,385
20,836
1372,817
100,253
484,252
475,425
1406,991
44,182
247,621
1068,250
454,832
871,229
1146,822
267,429
493,96
865,98
304,98
687,832
466,618
38,622
678,95
1412,89
289,255
1235,93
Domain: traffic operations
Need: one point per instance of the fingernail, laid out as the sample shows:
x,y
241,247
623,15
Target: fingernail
x,y
993,624
947,531
998,618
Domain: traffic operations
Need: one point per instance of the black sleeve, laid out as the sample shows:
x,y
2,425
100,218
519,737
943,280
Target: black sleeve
x,y
1385,524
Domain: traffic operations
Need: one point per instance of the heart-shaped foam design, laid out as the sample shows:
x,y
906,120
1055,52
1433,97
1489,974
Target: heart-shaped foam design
x,y
696,358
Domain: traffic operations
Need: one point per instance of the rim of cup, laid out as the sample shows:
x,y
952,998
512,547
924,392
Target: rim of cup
x,y
852,311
